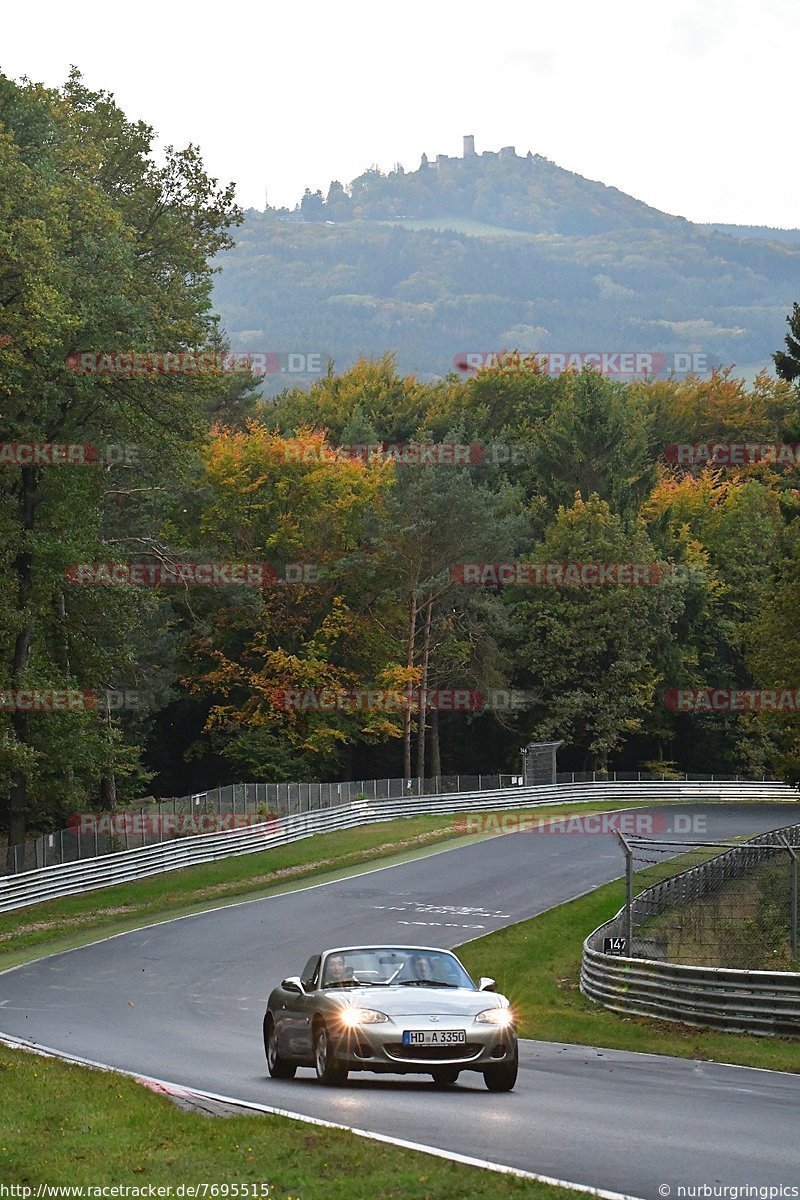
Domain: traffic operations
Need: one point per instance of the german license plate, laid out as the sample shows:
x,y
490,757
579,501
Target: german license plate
x,y
434,1037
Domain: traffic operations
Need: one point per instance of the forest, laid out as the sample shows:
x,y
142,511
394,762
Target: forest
x,y
189,555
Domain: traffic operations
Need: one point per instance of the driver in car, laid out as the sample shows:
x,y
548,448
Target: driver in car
x,y
416,967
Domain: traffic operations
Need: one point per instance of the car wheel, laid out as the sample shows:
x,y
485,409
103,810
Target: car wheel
x,y
328,1067
279,1068
502,1076
445,1076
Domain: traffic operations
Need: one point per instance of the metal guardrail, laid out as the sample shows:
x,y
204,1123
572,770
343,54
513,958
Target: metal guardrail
x,y
736,1000
151,821
231,806
762,1002
46,883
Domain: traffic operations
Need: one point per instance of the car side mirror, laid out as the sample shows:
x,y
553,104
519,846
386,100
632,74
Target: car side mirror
x,y
485,984
293,984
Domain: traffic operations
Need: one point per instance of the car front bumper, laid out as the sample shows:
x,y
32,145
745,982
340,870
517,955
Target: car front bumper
x,y
380,1047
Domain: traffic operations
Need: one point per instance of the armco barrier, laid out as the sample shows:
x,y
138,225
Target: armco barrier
x,y
236,804
765,1002
47,883
760,1002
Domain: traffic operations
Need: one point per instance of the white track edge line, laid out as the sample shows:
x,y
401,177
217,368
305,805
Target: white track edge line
x,y
402,1143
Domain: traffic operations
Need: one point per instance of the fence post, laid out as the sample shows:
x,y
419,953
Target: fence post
x,y
793,905
61,844
628,892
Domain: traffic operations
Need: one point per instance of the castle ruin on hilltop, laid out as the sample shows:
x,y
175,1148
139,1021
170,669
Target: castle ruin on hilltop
x,y
470,153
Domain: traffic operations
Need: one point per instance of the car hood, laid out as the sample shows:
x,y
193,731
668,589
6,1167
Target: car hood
x,y
419,1001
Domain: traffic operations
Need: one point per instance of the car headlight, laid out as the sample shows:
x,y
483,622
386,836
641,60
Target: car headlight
x,y
501,1017
351,1017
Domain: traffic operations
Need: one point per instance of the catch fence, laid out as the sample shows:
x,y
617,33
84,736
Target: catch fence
x,y
237,805
712,939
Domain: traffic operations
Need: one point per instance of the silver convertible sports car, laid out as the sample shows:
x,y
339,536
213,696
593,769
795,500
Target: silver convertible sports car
x,y
398,1009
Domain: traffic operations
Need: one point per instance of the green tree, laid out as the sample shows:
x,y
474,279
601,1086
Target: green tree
x,y
101,250
787,362
592,650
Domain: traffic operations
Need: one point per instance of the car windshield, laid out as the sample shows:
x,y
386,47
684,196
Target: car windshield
x,y
387,966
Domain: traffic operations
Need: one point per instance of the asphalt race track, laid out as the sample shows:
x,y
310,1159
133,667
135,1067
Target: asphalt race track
x,y
184,1001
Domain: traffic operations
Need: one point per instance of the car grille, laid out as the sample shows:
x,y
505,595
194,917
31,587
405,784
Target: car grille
x,y
432,1053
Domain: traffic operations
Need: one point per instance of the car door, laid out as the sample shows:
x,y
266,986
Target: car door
x,y
297,1018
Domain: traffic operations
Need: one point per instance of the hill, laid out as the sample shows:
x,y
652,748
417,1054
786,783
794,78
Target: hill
x,y
768,232
500,251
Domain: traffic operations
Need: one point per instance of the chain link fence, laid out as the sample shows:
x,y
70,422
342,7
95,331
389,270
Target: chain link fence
x,y
236,805
713,904
233,806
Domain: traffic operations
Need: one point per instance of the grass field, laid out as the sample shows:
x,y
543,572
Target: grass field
x,y
463,225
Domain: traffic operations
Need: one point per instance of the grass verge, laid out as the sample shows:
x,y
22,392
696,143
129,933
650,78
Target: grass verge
x,y
537,965
60,1123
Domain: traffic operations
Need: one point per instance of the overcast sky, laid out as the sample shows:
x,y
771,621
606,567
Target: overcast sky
x,y
689,105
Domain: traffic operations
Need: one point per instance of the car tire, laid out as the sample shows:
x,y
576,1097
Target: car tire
x,y
445,1076
328,1067
279,1068
501,1077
